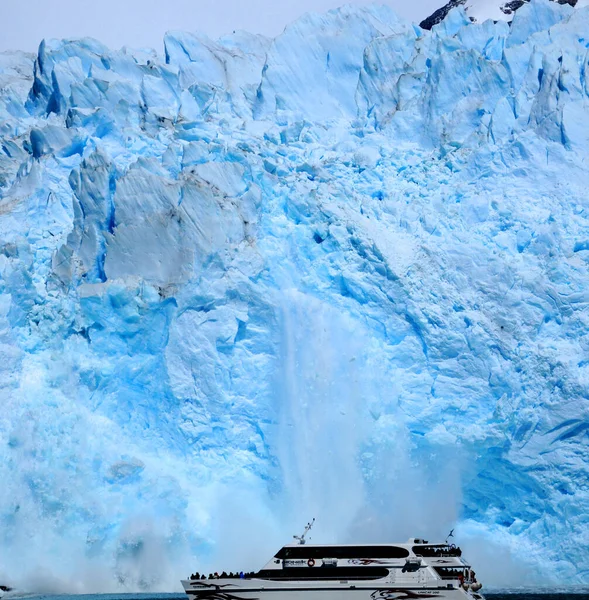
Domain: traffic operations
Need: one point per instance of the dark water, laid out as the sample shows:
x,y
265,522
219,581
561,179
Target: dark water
x,y
561,594
536,596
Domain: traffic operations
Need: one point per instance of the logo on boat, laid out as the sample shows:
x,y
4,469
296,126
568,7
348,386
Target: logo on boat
x,y
392,594
295,562
368,561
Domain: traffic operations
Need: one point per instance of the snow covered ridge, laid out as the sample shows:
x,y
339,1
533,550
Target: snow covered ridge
x,y
481,10
254,277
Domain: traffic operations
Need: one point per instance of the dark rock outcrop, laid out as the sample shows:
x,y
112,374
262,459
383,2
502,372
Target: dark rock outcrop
x,y
507,8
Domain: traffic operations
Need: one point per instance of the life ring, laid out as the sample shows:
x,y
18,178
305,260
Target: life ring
x,y
311,562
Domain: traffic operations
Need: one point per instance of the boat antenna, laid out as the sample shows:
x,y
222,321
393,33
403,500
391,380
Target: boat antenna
x,y
451,534
301,538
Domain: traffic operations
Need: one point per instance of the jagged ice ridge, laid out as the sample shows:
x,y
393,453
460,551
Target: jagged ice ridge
x,y
341,273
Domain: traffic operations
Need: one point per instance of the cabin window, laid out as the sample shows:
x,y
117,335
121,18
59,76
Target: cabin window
x,y
342,552
297,573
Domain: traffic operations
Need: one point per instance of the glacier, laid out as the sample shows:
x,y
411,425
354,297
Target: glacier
x,y
342,274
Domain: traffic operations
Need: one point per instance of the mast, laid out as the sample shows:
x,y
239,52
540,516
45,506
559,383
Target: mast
x,y
301,538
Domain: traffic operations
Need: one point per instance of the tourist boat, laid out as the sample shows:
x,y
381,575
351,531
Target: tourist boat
x,y
412,570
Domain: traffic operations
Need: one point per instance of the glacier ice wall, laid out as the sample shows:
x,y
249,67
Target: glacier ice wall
x,y
342,273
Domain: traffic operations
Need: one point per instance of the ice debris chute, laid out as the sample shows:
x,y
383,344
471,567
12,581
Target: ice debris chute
x,y
252,278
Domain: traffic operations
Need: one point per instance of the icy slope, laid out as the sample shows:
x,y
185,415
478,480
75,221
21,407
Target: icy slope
x,y
341,274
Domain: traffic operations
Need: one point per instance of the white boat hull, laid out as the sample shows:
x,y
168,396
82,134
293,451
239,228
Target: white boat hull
x,y
409,571
262,589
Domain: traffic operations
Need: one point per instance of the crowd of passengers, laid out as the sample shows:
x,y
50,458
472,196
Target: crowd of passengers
x,y
450,573
223,575
463,575
434,552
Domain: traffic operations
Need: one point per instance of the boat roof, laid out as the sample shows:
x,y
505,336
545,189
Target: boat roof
x,y
403,550
408,544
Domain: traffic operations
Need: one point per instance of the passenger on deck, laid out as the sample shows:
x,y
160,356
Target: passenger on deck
x,y
241,575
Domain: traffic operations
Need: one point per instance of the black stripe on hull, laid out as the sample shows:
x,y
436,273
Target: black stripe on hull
x,y
375,593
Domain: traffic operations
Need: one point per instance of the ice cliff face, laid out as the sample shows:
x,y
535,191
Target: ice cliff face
x,y
342,273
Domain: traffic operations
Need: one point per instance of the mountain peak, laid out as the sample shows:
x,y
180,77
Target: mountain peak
x,y
481,10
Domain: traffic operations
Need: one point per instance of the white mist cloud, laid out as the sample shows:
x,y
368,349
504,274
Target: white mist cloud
x,y
496,560
322,389
380,491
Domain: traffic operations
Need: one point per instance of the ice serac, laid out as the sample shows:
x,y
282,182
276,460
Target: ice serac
x,y
251,278
219,74
318,79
